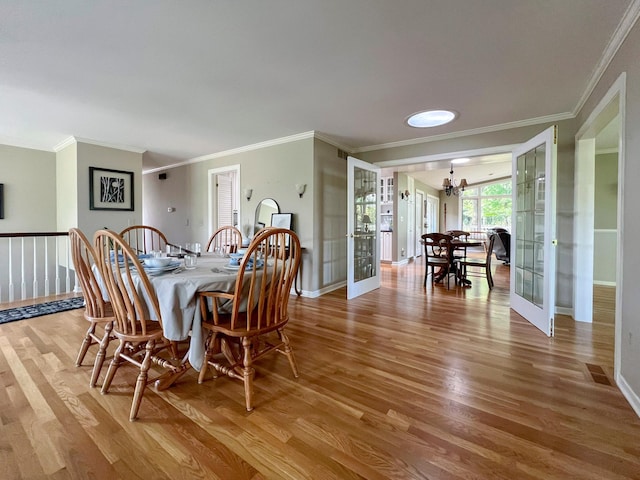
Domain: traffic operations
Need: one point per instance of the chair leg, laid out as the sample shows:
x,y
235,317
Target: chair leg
x,y
113,366
489,278
205,361
210,344
288,352
102,351
141,382
247,372
86,343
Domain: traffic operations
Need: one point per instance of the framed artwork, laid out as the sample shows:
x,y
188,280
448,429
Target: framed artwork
x,y
110,189
281,220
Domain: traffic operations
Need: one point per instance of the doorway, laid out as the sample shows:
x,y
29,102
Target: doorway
x,y
433,209
606,119
223,197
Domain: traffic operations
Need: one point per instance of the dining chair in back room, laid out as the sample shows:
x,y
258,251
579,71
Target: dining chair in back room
x,y
437,251
467,267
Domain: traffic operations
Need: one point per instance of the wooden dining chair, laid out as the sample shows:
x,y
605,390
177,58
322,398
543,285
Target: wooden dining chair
x,y
137,319
467,267
226,239
438,252
249,322
144,239
97,310
463,235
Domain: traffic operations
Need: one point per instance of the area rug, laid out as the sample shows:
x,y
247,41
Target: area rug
x,y
31,311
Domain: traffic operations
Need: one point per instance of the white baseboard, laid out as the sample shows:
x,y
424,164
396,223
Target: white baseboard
x,y
604,283
629,394
322,291
404,261
564,311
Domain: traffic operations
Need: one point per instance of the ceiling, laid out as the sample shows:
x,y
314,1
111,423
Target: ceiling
x,y
180,80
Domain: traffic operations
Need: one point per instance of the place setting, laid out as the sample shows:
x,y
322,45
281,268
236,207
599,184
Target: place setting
x,y
236,258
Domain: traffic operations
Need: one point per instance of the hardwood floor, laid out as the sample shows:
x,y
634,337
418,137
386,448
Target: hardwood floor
x,y
403,382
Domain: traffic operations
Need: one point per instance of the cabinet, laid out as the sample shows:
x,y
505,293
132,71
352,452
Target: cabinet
x,y
386,246
386,189
386,222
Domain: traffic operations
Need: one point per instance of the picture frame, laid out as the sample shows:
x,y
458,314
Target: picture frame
x,y
1,201
282,220
110,189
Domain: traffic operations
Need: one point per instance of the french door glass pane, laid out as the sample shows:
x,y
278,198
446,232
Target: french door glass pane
x,y
365,216
530,205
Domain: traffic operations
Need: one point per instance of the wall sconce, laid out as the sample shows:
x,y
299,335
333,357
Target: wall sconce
x,y
404,195
247,193
300,188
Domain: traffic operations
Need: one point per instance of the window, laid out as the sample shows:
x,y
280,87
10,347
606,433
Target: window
x,y
487,206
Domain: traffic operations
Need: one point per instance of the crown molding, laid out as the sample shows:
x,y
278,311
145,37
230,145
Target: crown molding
x,y
465,133
248,148
446,156
64,144
335,143
71,140
627,22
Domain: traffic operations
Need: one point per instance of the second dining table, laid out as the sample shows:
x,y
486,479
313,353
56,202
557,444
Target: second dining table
x,y
458,244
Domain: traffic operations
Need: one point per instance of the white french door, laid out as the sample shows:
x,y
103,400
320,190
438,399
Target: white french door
x,y
533,232
363,236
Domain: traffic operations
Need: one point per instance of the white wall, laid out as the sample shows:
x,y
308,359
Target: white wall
x,y
319,217
89,155
626,60
29,178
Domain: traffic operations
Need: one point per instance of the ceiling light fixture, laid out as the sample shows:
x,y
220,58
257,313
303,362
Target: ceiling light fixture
x,y
431,118
451,185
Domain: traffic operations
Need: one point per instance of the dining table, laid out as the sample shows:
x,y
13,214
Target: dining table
x,y
458,244
177,291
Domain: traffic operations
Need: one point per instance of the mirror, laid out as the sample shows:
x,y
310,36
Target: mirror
x,y
263,213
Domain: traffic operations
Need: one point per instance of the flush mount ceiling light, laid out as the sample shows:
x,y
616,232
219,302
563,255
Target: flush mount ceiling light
x,y
431,118
459,160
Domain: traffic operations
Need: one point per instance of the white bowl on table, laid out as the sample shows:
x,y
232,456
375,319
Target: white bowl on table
x,y
157,262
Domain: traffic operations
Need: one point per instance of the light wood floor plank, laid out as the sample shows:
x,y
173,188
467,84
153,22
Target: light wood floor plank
x,y
403,382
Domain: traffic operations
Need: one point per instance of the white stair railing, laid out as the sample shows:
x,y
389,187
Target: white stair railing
x,y
38,262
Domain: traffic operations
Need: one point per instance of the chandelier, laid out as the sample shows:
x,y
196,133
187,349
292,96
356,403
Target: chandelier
x,y
451,185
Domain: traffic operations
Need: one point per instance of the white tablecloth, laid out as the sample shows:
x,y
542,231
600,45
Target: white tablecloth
x,y
178,301
179,307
